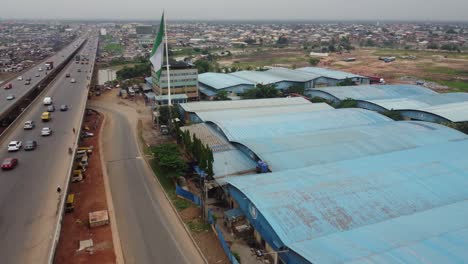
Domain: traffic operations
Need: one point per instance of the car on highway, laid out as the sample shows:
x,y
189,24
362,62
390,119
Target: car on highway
x,y
10,97
73,80
46,116
39,69
27,82
9,163
37,75
79,70
28,79
46,131
8,86
50,108
47,100
67,75
20,78
28,125
63,108
14,145
30,145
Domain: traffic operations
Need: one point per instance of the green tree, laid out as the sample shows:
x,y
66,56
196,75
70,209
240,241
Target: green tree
x,y
164,115
347,103
346,82
297,90
140,70
169,158
395,115
314,61
432,45
262,91
202,66
222,96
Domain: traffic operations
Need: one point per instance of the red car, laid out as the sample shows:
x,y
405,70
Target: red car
x,y
8,86
9,163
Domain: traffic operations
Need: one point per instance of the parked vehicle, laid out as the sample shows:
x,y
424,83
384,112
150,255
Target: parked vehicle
x,y
14,145
77,176
9,163
164,130
70,204
28,125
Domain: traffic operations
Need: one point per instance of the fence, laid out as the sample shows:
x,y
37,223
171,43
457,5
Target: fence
x,y
188,195
223,242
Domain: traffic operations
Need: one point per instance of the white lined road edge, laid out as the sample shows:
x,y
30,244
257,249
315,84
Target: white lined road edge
x,y
58,226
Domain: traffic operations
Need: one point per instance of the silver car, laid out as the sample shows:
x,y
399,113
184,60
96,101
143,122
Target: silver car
x,y
46,131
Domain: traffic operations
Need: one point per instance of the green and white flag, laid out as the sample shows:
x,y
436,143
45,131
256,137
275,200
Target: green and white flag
x,y
157,54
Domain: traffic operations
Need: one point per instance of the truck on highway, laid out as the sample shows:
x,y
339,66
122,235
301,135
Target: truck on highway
x,y
49,65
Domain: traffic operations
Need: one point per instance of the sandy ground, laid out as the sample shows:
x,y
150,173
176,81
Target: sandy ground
x,y
89,196
136,110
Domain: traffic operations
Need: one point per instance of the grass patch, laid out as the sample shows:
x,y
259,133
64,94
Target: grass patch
x,y
198,225
446,70
403,52
461,86
114,48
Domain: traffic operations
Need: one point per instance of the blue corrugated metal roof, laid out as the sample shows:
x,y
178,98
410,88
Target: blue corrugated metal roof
x,y
204,106
333,74
221,80
376,209
319,147
262,77
375,92
289,124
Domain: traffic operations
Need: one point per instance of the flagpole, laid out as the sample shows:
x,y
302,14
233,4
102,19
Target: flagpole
x,y
167,65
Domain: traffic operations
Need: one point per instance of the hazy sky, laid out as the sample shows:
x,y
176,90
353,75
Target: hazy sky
x,y
431,10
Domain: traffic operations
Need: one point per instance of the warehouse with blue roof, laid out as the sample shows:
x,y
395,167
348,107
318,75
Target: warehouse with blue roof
x,y
411,101
345,185
282,78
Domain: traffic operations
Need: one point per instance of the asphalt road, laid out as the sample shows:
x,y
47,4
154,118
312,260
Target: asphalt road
x,y
148,228
29,203
20,89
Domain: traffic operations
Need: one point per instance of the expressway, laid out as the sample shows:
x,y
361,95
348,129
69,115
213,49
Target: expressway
x,y
29,203
20,89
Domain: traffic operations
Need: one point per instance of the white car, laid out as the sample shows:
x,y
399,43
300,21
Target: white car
x,y
10,97
40,69
29,125
73,80
14,146
47,100
46,131
20,78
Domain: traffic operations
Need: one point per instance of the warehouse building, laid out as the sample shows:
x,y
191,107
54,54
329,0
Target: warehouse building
x,y
281,78
346,185
411,101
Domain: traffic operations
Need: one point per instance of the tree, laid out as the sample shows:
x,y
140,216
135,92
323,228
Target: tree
x,y
169,158
347,103
222,96
282,41
202,66
395,115
314,61
297,90
432,45
140,70
164,115
346,82
261,91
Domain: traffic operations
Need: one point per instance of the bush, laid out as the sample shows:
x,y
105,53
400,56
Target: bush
x,y
169,158
140,70
347,103
314,61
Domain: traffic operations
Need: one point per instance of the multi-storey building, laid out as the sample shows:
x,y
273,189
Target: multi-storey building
x,y
184,80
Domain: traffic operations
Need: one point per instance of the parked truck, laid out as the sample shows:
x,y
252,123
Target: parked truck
x,y
49,65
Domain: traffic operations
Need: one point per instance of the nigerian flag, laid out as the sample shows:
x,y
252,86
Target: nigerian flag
x,y
157,54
